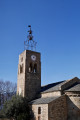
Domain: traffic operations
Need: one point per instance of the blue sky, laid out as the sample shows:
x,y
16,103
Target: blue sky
x,y
56,28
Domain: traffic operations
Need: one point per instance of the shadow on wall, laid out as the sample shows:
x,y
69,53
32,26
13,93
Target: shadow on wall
x,y
32,113
73,104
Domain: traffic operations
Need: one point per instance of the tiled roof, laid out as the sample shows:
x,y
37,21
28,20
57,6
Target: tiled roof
x,y
74,88
43,100
51,87
58,86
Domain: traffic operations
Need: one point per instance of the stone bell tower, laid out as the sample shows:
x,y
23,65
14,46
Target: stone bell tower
x,y
29,70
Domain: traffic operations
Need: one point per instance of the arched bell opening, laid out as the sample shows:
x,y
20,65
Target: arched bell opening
x,y
30,67
35,68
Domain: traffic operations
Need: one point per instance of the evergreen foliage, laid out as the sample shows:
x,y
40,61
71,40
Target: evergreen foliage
x,y
17,108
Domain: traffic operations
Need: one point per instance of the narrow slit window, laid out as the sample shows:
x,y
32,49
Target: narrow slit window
x,y
22,59
39,110
21,68
39,118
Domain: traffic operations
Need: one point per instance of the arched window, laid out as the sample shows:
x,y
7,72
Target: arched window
x,y
30,67
21,68
35,68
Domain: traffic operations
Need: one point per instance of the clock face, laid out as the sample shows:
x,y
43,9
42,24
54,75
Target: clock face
x,y
33,57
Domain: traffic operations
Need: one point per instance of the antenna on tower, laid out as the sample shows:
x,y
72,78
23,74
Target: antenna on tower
x,y
30,44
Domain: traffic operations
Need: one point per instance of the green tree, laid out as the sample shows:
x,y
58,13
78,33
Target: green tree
x,y
17,108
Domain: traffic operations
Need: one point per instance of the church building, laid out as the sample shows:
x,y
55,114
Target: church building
x,y
56,101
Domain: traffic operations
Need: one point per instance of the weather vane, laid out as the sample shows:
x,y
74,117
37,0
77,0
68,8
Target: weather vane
x,y
30,44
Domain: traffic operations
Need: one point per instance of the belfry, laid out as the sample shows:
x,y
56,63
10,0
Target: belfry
x,y
29,70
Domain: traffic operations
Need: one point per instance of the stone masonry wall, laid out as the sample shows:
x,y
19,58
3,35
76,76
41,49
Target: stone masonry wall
x,y
32,79
58,109
73,104
51,94
21,76
44,112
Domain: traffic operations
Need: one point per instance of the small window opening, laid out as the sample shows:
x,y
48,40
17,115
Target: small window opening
x,y
39,118
30,67
21,68
21,59
35,68
39,110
